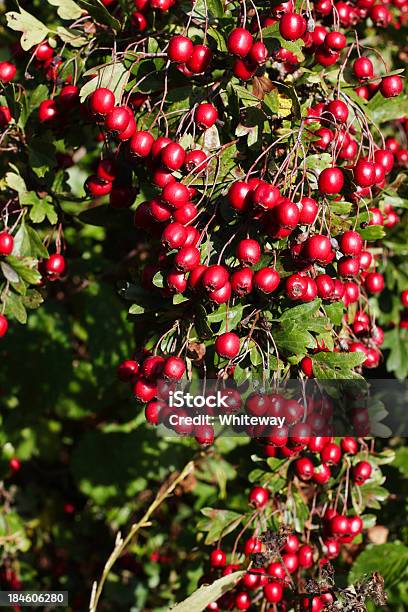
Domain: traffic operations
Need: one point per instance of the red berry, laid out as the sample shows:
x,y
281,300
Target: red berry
x,y
339,110
325,286
174,368
307,367
214,278
258,497
273,592
308,211
242,281
3,325
258,53
291,562
351,243
374,282
239,42
287,214
305,556
7,72
176,281
144,390
55,265
361,472
239,196
127,370
266,280
363,68
248,252
348,266
242,600
391,86
318,248
5,116
180,49
206,115
292,26
101,101
195,160
185,214
331,181
173,156
243,69
68,97
175,194
339,525
227,345
364,173
200,59
322,474
141,143
218,558
44,52
107,170
304,468
187,258
296,286
47,111
97,187
118,119
265,196
331,453
335,41
6,243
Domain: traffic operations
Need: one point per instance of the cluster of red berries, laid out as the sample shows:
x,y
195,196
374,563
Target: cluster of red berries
x,y
388,86
143,7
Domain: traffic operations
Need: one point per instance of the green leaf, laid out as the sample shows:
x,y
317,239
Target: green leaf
x,y
372,232
336,365
390,560
100,13
67,9
216,35
293,341
33,30
396,341
15,307
41,155
220,316
41,208
245,97
383,109
218,523
401,460
72,37
206,594
26,268
113,75
335,312
31,101
16,182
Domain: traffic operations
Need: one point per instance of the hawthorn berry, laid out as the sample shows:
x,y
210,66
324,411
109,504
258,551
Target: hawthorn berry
x,y
258,497
248,252
180,49
3,325
227,345
101,101
6,243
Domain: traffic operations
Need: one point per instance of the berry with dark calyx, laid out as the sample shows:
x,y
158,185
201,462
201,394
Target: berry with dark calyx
x,y
239,42
348,266
174,368
141,143
101,101
185,213
97,187
118,119
6,243
351,243
214,278
266,280
180,49
3,325
152,367
296,286
258,497
361,472
195,161
331,181
176,281
265,196
173,156
187,259
318,248
242,281
174,235
292,26
258,53
144,390
287,214
248,252
363,68
391,86
206,115
227,345
55,265
175,194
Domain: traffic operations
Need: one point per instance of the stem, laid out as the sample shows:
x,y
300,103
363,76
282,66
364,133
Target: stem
x,y
121,544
